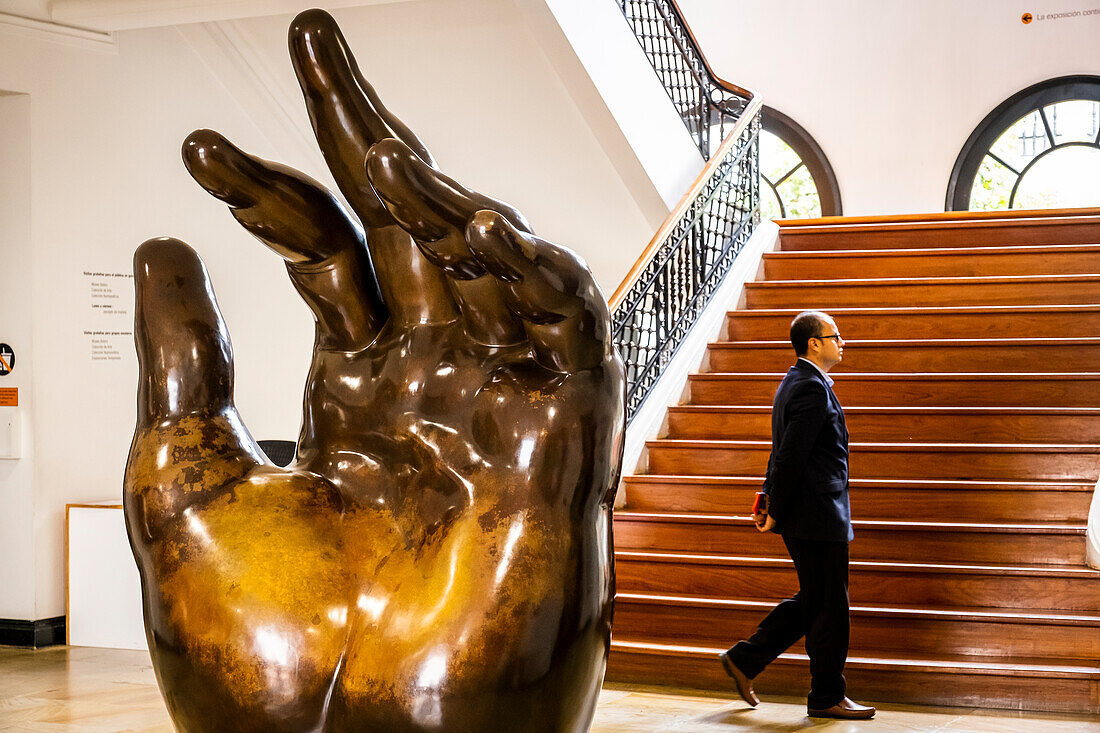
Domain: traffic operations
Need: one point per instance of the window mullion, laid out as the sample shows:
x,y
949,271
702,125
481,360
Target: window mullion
x,y
1046,126
991,154
789,173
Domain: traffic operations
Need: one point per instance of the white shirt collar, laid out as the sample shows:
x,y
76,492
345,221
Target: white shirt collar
x,y
824,376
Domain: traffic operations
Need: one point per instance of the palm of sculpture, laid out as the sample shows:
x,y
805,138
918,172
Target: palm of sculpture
x,y
438,557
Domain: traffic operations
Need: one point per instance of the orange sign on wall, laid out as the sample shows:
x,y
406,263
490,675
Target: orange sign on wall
x,y
9,397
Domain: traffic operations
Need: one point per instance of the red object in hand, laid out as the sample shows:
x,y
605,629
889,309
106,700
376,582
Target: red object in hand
x,y
760,509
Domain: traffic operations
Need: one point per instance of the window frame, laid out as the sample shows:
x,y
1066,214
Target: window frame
x,y
811,155
1006,114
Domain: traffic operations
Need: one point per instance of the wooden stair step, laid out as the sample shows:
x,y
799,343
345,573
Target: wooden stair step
x,y
988,682
932,355
1006,232
928,217
899,424
974,472
945,500
933,585
951,542
947,262
918,291
946,322
876,630
962,389
1034,461
940,216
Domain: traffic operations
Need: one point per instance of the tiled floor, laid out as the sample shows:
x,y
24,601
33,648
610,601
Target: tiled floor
x,y
81,690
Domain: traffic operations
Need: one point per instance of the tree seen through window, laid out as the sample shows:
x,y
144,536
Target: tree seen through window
x,y
1049,158
1039,149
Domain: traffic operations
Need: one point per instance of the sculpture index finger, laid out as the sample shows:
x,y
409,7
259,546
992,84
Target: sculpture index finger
x,y
303,222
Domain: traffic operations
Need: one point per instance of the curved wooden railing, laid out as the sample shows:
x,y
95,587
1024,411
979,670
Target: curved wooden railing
x,y
672,281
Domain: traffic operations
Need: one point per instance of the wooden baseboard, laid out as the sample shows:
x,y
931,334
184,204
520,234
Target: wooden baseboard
x,y
32,634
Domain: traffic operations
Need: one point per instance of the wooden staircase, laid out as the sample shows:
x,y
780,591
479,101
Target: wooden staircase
x,y
971,385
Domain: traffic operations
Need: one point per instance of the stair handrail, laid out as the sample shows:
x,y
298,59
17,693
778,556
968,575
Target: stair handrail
x,y
683,206
670,284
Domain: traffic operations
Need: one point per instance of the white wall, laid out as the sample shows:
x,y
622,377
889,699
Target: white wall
x,y
891,90
103,129
473,81
16,330
104,174
600,61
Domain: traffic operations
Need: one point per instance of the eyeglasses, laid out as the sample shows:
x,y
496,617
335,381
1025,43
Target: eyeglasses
x,y
832,336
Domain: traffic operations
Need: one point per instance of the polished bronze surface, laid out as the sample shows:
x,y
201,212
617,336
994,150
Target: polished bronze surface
x,y
438,557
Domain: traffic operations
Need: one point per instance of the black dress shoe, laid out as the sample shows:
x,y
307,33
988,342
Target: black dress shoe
x,y
845,710
744,684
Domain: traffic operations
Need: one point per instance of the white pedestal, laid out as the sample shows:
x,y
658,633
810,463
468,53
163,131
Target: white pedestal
x,y
104,590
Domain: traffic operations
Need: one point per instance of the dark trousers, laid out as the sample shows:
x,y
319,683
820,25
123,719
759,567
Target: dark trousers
x,y
818,611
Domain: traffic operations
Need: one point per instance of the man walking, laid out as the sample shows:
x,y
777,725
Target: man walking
x,y
807,489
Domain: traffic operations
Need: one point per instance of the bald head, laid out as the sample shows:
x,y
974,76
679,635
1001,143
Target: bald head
x,y
805,326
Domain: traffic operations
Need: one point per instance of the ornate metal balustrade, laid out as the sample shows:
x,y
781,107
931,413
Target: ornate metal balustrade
x,y
708,105
660,301
671,284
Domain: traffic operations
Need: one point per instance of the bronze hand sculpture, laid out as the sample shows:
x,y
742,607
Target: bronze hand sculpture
x,y
438,557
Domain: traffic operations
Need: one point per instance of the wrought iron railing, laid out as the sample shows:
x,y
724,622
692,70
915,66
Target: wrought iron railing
x,y
661,299
670,285
708,104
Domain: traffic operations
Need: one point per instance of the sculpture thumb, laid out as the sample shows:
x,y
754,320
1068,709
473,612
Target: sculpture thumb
x,y
189,444
185,358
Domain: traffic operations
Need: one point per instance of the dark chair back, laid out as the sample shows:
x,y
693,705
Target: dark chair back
x,y
281,452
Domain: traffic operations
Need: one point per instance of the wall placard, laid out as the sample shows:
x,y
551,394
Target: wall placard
x,y
110,308
9,397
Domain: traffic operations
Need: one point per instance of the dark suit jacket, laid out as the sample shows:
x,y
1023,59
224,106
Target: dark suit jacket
x,y
807,479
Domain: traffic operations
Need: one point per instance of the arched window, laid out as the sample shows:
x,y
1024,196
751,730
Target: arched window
x,y
796,179
1039,149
